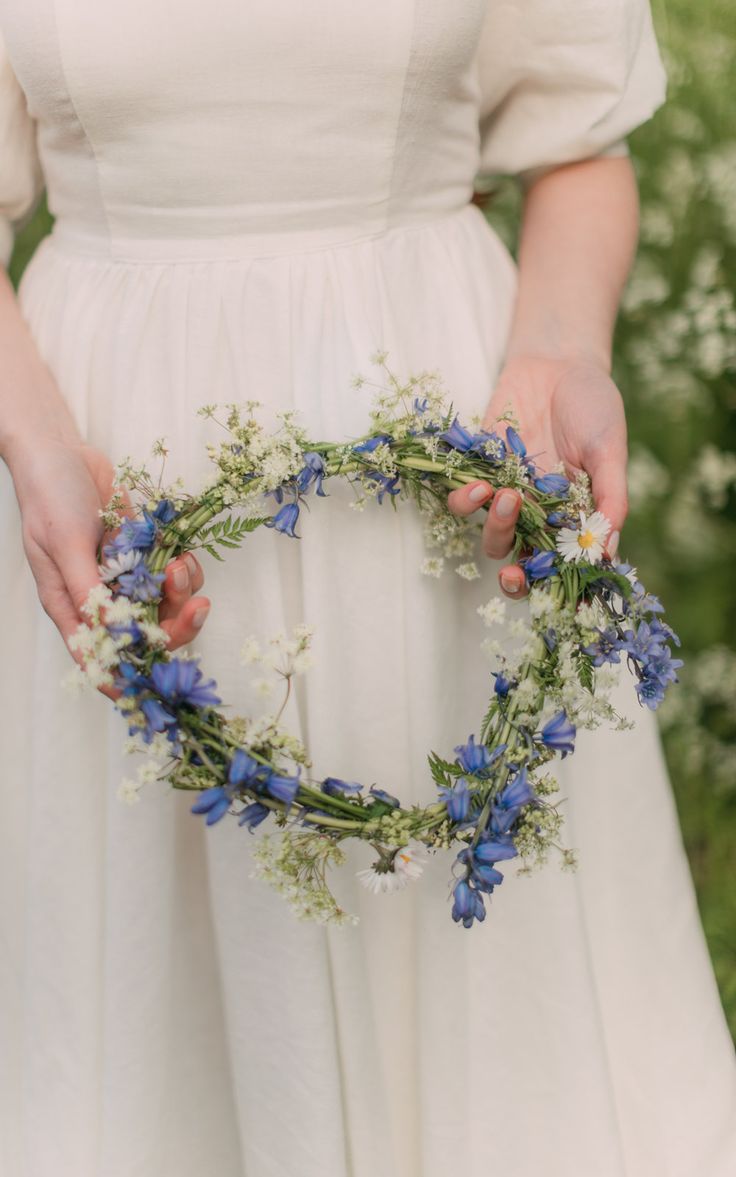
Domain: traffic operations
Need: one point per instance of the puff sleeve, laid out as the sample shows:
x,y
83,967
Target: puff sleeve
x,y
21,178
562,80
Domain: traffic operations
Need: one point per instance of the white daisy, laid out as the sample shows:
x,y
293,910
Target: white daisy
x,y
117,564
408,865
586,542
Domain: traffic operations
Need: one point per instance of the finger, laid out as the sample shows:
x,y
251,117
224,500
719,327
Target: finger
x,y
513,582
466,499
177,588
196,575
498,529
187,623
608,483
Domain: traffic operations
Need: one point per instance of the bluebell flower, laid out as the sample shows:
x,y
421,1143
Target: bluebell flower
x,y
558,733
389,484
644,643
560,519
539,565
467,904
421,406
502,685
510,801
553,484
457,437
283,788
606,649
549,637
367,447
285,519
243,769
515,443
382,795
165,511
140,584
277,492
135,632
215,802
158,719
650,691
337,788
457,799
133,533
477,759
178,681
495,848
253,815
312,471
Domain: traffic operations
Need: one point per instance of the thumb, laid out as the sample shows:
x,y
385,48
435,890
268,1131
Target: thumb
x,y
608,483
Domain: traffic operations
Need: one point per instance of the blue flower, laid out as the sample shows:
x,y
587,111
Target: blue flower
x,y
312,471
606,649
558,733
502,685
140,584
510,801
215,802
382,795
553,484
285,519
367,447
178,681
560,519
650,691
337,788
283,788
539,565
457,799
133,533
467,904
253,815
457,437
493,849
158,719
165,511
477,759
389,484
243,769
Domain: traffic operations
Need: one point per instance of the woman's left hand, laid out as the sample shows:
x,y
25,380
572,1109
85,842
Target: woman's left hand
x,y
569,411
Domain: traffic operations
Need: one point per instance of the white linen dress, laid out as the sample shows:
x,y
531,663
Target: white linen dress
x,y
250,199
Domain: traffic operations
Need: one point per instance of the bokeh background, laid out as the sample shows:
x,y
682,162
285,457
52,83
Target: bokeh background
x,y
675,362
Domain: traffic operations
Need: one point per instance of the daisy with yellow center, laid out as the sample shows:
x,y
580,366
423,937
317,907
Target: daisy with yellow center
x,y
382,878
584,544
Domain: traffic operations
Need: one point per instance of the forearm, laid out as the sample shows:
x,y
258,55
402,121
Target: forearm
x,y
31,405
578,240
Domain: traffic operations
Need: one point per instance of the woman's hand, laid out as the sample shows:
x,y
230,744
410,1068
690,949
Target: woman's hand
x,y
569,411
60,488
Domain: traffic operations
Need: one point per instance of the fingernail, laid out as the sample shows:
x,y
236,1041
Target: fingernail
x,y
506,504
181,578
478,493
200,617
191,563
510,584
612,545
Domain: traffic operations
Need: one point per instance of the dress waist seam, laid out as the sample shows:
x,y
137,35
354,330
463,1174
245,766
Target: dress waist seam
x,y
70,239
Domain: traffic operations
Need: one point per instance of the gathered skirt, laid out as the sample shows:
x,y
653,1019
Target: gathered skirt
x,y
163,1013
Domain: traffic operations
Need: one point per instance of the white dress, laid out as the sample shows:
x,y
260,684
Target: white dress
x,y
251,197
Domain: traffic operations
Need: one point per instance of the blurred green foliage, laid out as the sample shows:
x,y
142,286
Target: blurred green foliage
x,y
675,362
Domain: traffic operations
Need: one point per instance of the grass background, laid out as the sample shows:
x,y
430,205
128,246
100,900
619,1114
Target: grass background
x,y
675,362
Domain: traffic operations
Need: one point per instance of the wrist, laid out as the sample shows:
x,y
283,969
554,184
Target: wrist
x,y
517,356
31,435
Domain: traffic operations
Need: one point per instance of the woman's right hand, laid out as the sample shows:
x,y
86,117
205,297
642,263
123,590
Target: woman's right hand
x,y
61,486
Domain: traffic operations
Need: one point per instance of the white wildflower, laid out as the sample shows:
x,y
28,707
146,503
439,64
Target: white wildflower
x,y
129,791
408,865
250,651
432,566
493,612
118,564
468,571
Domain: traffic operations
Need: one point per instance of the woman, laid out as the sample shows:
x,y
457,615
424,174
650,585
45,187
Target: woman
x,y
249,201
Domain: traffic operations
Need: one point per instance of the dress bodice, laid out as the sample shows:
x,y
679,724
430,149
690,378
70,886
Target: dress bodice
x,y
171,121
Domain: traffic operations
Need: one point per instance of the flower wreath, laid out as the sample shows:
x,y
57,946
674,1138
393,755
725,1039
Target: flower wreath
x,y
494,798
